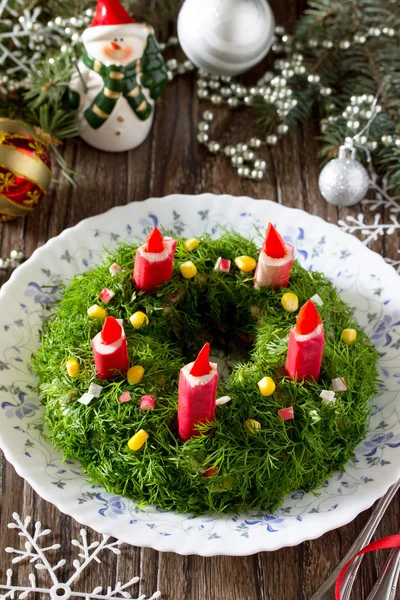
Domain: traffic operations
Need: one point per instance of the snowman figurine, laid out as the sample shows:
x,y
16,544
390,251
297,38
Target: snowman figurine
x,y
120,75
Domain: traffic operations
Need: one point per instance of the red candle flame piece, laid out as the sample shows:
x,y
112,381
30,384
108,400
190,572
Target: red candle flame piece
x,y
201,365
155,241
111,331
274,246
308,319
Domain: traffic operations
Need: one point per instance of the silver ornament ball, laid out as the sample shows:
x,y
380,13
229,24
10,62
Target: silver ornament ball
x,y
344,181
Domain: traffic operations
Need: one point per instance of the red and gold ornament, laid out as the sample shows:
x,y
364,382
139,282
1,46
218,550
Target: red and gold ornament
x,y
25,169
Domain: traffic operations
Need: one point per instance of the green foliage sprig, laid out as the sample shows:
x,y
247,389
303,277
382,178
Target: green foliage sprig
x,y
253,470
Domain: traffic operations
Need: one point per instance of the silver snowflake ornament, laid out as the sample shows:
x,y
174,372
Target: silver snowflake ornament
x,y
35,551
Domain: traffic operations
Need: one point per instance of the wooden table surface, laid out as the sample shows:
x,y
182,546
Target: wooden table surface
x,y
171,161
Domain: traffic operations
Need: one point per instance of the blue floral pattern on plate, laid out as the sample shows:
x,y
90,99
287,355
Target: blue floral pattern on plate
x,y
365,282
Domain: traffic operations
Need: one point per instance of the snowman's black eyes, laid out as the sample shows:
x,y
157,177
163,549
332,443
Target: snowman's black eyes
x,y
121,39
115,39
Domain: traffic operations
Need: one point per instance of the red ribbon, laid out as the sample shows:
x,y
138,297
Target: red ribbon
x,y
392,541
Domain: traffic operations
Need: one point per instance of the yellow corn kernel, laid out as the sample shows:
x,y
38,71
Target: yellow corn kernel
x,y
135,374
138,319
349,336
72,367
267,386
188,269
191,244
137,440
290,302
245,263
252,426
97,312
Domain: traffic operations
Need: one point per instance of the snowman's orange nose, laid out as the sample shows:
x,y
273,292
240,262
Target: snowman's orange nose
x,y
115,46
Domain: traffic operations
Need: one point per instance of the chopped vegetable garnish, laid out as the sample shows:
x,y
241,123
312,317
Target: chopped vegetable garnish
x,y
222,400
339,384
266,386
137,441
290,302
317,300
115,270
188,269
86,398
285,414
349,336
147,403
95,390
97,312
252,426
245,263
125,397
223,265
327,396
135,375
106,295
72,367
191,244
138,319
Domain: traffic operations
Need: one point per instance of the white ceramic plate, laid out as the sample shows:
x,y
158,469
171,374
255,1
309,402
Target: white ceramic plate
x,y
365,281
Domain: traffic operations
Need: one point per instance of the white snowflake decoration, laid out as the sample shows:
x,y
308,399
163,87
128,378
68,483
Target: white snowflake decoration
x,y
37,555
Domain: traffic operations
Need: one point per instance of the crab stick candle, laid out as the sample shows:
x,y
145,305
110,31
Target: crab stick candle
x,y
110,349
306,345
197,394
275,261
154,261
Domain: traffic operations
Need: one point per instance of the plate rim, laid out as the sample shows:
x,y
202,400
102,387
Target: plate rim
x,y
160,543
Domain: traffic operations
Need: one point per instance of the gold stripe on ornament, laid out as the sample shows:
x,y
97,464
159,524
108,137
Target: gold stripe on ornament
x,y
111,94
135,92
100,113
96,66
10,126
23,165
116,75
17,210
142,105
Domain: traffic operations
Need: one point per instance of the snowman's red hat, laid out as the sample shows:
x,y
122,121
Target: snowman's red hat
x,y
112,20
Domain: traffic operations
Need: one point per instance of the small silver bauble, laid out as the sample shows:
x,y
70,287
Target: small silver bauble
x,y
214,147
260,164
344,181
17,255
203,126
254,142
4,264
237,161
208,115
202,137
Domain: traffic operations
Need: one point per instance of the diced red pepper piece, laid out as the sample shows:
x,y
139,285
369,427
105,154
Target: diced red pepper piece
x,y
274,246
308,319
111,331
155,241
202,365
106,295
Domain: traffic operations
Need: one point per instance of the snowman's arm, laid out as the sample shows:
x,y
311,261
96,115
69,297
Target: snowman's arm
x,y
154,74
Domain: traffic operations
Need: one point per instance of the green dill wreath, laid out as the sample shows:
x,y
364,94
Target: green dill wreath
x,y
253,470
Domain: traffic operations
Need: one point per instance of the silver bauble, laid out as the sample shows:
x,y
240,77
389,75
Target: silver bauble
x,y
226,37
344,181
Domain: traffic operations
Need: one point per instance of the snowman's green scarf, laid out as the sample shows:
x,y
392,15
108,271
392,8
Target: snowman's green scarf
x,y
119,80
